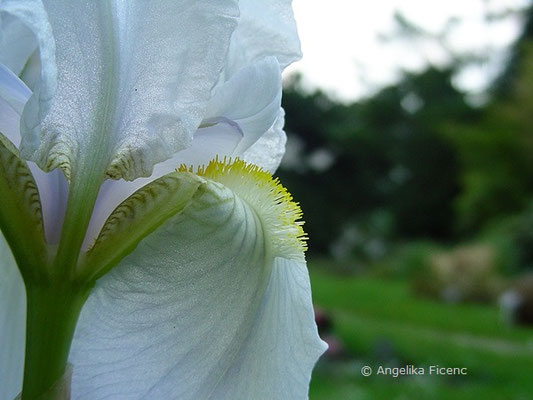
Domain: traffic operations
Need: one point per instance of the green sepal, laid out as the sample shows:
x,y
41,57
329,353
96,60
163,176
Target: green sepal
x,y
134,219
21,220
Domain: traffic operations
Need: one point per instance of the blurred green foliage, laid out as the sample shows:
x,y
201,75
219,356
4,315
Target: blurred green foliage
x,y
382,323
497,152
387,156
512,238
416,161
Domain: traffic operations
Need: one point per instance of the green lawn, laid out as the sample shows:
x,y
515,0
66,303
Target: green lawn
x,y
381,323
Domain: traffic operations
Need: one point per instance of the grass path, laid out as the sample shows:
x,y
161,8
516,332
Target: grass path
x,y
462,339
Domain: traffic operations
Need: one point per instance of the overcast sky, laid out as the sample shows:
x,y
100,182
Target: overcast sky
x,y
344,55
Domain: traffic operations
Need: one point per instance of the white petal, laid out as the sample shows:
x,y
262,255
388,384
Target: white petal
x,y
12,324
266,28
32,14
13,96
13,90
220,139
17,43
32,70
177,317
133,81
268,151
9,122
284,333
265,41
251,98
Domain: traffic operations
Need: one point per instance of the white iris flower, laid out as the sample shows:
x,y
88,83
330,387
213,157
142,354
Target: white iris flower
x,y
150,257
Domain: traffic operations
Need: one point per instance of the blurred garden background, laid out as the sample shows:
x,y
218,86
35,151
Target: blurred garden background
x,y
418,202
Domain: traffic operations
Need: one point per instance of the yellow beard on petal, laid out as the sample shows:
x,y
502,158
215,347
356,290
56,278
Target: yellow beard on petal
x,y
265,194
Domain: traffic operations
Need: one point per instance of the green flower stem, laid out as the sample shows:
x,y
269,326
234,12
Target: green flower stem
x,y
55,298
82,197
52,312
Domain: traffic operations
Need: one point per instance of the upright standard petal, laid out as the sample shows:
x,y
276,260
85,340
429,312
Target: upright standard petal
x,y
266,28
13,90
213,300
249,89
12,324
268,151
32,14
251,98
133,80
17,43
10,109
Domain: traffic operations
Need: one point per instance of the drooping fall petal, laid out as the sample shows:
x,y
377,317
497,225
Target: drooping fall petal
x,y
251,99
266,28
214,299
